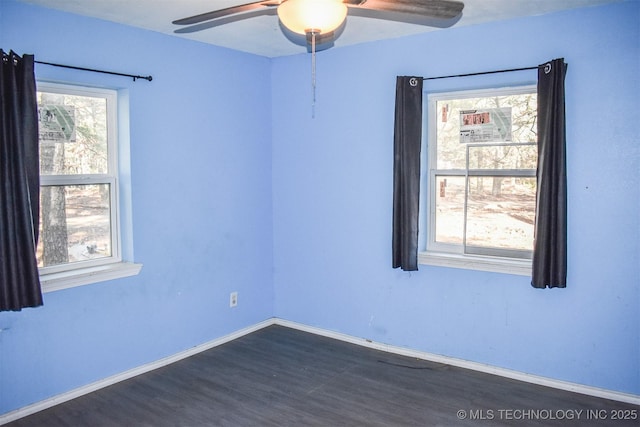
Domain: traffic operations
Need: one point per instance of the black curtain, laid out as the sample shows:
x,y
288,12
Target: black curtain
x,y
19,184
550,246
406,172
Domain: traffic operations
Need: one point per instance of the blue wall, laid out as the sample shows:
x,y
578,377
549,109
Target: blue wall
x,y
332,193
201,195
295,212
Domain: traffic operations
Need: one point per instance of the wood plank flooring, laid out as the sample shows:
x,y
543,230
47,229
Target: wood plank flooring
x,y
284,377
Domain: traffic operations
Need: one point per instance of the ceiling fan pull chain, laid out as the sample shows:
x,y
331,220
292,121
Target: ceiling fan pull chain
x,y
313,73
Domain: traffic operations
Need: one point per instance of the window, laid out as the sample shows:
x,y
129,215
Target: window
x,y
79,183
482,156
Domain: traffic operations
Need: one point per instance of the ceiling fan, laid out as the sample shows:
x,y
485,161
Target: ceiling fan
x,y
318,23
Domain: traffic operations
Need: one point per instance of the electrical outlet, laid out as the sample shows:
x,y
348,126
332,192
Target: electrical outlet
x,y
233,299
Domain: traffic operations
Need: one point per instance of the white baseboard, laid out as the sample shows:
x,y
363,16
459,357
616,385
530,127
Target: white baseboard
x,y
521,376
481,367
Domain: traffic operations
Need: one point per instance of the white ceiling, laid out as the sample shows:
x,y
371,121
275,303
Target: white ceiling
x,y
262,35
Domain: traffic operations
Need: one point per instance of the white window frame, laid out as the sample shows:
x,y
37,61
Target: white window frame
x,y
441,254
78,273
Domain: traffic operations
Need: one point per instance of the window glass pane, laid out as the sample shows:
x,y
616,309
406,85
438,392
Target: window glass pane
x,y
474,133
514,117
75,224
503,157
73,134
500,212
449,204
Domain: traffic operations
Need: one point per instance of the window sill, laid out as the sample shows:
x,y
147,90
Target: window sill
x,y
85,276
471,262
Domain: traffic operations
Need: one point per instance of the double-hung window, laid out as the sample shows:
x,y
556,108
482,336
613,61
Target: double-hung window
x,y
80,235
481,183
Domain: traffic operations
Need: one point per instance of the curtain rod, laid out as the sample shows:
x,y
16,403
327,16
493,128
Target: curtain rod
x,y
149,78
480,73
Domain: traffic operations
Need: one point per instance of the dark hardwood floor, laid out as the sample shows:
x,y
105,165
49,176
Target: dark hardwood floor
x,y
284,377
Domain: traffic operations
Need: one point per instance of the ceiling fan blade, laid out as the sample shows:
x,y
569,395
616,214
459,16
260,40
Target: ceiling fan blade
x,y
435,13
226,20
221,13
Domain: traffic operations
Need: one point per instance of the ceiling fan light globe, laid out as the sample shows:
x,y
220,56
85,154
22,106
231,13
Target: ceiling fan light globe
x,y
321,16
